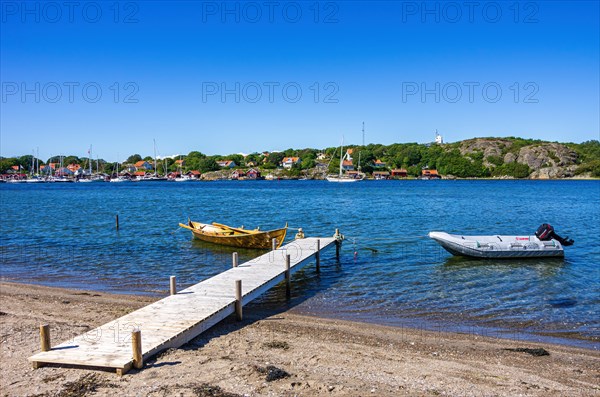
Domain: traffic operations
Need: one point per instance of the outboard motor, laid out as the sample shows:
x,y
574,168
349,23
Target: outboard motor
x,y
546,232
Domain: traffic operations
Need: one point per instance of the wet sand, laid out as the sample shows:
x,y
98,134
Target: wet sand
x,y
300,356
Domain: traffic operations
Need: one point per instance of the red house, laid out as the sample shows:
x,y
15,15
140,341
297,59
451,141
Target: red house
x,y
430,174
253,174
399,173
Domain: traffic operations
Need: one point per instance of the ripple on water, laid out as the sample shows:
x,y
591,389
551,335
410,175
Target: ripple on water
x,y
64,235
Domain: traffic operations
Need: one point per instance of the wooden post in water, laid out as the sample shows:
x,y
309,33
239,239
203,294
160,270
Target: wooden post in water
x,y
238,300
45,337
136,345
318,256
234,259
173,285
288,283
117,221
274,244
337,244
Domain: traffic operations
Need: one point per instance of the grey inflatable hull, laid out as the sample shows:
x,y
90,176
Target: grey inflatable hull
x,y
498,246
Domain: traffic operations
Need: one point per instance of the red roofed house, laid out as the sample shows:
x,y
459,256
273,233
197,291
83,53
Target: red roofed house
x,y
379,164
48,167
253,174
381,175
347,165
142,165
430,174
399,173
64,171
289,162
237,174
194,174
73,167
180,163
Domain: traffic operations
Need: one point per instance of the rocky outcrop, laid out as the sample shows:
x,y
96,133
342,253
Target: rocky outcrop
x,y
489,146
547,160
554,172
547,155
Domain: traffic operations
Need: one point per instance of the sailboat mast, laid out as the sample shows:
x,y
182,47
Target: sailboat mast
x,y
155,169
341,157
363,133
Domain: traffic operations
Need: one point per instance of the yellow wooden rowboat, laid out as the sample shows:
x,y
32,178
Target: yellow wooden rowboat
x,y
236,237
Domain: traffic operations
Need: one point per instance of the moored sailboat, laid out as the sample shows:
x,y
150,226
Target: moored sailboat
x,y
345,177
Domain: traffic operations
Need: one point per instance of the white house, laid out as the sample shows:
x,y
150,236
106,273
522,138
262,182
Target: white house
x,y
288,162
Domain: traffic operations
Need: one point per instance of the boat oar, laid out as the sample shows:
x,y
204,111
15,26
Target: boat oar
x,y
186,227
235,229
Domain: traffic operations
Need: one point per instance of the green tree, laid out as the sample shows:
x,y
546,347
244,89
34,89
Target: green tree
x,y
275,158
516,170
134,158
208,164
71,160
6,163
334,165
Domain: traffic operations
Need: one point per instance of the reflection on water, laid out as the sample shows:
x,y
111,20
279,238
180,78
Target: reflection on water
x,y
389,271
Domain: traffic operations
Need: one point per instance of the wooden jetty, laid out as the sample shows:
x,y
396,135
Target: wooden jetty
x,y
182,316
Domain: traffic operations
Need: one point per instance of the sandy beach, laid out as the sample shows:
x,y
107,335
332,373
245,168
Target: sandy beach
x,y
283,354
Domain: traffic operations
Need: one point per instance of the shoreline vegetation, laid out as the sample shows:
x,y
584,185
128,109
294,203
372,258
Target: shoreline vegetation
x,y
478,158
283,353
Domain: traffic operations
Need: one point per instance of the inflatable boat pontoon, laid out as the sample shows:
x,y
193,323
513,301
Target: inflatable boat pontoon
x,y
544,244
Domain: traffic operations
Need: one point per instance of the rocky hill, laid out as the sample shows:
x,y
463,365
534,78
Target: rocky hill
x,y
545,160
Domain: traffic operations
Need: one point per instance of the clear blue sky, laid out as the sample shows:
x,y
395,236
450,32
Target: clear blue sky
x,y
353,62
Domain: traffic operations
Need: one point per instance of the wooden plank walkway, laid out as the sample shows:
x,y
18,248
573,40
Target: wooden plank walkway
x,y
177,319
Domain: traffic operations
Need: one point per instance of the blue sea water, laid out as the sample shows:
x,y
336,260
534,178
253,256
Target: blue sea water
x,y
389,271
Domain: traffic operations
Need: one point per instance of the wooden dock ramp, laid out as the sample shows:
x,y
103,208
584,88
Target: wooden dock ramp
x,y
177,319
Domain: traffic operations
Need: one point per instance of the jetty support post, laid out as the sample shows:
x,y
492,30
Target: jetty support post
x,y
136,346
44,343
173,285
318,256
288,283
117,221
338,243
238,300
274,242
45,337
234,259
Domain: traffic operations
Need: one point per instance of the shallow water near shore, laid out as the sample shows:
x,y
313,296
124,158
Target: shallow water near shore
x,y
389,272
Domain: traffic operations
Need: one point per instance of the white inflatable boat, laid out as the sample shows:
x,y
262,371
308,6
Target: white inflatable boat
x,y
544,244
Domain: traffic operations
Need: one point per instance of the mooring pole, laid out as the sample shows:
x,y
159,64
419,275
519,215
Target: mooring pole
x,y
117,221
234,259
